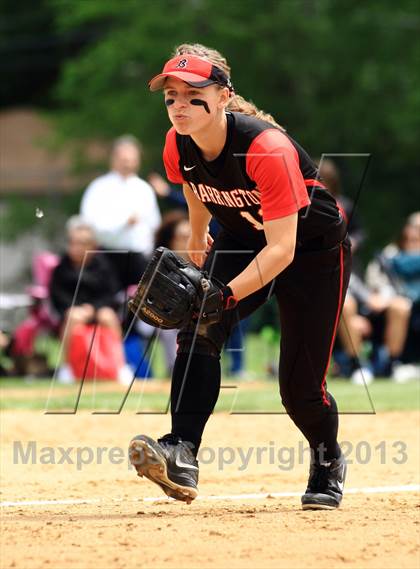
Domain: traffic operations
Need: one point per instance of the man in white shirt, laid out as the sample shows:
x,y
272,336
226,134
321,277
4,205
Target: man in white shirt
x,y
123,210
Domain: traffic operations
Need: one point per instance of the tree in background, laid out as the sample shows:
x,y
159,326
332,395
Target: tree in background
x,y
342,77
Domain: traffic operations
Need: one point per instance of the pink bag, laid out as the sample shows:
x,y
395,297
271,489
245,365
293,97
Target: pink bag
x,y
99,359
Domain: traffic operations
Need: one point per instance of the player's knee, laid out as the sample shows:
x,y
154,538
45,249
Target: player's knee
x,y
205,342
107,317
199,345
304,411
201,339
400,306
286,399
75,315
350,306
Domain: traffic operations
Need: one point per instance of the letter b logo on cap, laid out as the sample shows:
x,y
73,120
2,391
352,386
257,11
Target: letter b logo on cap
x,y
182,63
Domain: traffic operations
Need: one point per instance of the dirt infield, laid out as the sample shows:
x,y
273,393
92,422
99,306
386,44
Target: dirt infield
x,y
117,528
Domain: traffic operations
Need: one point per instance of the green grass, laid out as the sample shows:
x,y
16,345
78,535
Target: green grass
x,y
237,396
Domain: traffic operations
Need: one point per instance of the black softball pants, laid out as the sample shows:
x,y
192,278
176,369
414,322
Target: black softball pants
x,y
310,293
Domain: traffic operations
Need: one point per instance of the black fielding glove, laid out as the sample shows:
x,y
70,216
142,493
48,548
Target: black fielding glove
x,y
167,294
173,291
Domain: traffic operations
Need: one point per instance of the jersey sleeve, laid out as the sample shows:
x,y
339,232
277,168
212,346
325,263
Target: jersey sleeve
x,y
171,158
272,162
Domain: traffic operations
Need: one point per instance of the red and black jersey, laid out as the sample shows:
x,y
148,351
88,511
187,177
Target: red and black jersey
x,y
261,174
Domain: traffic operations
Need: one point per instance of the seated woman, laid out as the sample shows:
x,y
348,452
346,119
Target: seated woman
x,y
394,274
83,288
384,320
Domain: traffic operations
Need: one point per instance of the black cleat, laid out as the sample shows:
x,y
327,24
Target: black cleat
x,y
167,462
325,485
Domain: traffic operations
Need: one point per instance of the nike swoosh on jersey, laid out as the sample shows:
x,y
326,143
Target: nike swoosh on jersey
x,y
188,168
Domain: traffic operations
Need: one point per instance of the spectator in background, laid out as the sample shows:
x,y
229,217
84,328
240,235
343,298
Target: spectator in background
x,y
376,309
395,274
83,286
405,264
368,314
123,210
174,232
168,192
380,274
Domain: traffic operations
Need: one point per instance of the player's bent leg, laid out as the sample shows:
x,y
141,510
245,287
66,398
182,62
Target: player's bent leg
x,y
319,424
169,463
195,385
194,390
309,325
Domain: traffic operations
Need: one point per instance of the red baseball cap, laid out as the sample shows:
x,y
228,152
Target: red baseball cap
x,y
193,70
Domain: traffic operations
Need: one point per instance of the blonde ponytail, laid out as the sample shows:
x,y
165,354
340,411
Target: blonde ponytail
x,y
236,103
240,105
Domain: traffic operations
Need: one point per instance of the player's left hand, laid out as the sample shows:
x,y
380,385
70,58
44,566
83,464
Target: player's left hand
x,y
212,301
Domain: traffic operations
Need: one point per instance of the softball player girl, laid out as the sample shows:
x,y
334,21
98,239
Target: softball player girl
x,y
282,234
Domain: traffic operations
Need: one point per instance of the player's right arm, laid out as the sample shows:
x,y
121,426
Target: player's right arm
x,y
200,240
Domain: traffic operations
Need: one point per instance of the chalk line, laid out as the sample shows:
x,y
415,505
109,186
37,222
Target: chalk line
x,y
256,496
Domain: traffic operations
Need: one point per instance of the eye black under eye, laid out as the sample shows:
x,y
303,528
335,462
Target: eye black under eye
x,y
199,102
169,102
